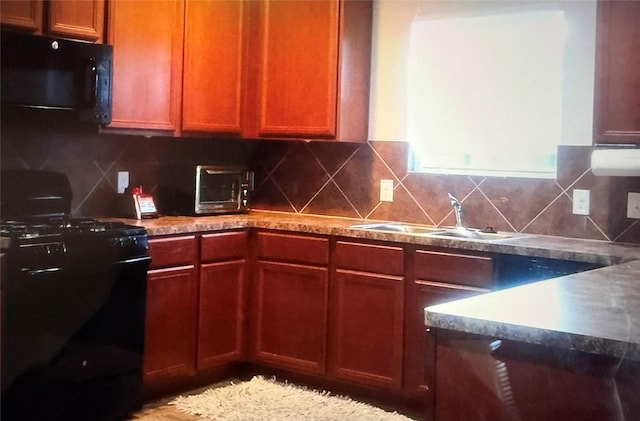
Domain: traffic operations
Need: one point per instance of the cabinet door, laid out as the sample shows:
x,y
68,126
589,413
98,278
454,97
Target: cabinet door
x,y
298,73
617,108
366,328
366,314
147,63
291,316
82,19
213,47
220,327
434,277
22,14
170,331
419,341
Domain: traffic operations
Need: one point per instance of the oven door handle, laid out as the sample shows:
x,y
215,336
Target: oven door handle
x,y
35,272
144,259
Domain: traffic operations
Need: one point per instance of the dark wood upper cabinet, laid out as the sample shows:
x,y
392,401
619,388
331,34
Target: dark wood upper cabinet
x,y
310,70
617,85
147,64
21,14
214,41
250,69
298,68
75,19
178,69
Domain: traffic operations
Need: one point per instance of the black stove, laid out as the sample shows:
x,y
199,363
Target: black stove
x,y
62,243
73,305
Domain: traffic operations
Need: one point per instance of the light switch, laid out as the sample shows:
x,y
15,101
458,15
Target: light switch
x,y
633,205
123,181
581,200
386,190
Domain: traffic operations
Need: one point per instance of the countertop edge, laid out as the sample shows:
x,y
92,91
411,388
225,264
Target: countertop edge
x,y
534,245
581,312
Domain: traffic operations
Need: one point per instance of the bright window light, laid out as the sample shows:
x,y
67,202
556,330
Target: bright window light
x,y
485,93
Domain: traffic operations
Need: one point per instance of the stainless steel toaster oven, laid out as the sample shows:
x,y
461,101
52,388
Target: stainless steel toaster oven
x,y
204,190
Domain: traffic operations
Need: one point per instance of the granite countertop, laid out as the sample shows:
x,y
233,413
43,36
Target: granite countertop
x,y
591,251
596,311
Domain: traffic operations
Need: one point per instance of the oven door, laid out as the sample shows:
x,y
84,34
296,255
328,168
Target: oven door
x,y
73,341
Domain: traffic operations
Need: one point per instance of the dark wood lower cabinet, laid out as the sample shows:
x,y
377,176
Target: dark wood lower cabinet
x,y
288,301
366,328
420,344
290,316
195,305
171,315
350,314
480,378
172,308
366,323
221,300
433,277
221,314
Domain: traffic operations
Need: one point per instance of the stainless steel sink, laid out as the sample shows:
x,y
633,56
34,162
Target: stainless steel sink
x,y
397,227
471,234
437,232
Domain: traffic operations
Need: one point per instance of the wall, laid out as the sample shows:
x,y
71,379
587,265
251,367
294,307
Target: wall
x,y
329,178
344,179
92,160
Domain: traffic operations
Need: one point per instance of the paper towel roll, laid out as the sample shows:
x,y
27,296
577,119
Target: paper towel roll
x,y
615,162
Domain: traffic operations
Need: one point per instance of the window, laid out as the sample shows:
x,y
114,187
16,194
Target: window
x,y
485,93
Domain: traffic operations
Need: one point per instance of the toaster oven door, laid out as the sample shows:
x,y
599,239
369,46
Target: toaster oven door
x,y
219,190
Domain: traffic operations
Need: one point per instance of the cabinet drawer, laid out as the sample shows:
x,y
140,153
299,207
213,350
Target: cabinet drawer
x,y
293,248
463,269
370,258
173,251
223,246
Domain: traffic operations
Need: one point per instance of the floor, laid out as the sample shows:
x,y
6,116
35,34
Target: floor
x,y
162,413
160,410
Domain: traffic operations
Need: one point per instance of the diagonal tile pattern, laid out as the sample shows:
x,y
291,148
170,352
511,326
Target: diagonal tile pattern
x,y
349,184
92,161
328,178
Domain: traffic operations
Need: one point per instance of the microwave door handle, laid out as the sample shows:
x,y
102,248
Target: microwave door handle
x,y
91,83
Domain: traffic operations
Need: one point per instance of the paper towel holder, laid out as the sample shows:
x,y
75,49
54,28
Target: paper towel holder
x,y
616,160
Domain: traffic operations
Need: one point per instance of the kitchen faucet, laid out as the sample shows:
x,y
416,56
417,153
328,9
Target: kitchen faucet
x,y
457,208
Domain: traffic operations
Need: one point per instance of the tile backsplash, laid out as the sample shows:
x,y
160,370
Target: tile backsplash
x,y
325,178
92,160
344,179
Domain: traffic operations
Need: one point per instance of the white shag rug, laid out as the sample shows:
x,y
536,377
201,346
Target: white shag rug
x,y
269,400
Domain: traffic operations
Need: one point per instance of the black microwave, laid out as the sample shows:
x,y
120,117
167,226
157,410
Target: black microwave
x,y
73,77
203,189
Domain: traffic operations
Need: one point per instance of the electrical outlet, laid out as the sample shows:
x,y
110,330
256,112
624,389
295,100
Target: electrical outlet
x,y
123,181
386,190
581,202
633,205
